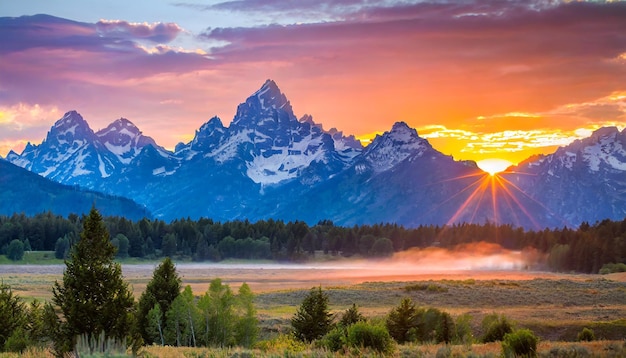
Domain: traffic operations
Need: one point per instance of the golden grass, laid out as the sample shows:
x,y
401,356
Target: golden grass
x,y
555,306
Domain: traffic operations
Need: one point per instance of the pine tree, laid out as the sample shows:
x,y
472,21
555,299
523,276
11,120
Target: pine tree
x,y
93,297
401,320
313,319
162,290
12,313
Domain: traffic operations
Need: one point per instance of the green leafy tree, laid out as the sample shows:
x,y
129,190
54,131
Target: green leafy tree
x,y
162,289
15,251
93,297
120,241
155,325
62,248
313,319
402,321
217,312
181,318
247,326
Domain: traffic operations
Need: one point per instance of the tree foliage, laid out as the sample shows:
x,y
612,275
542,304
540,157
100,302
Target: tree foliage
x,y
217,311
402,321
93,296
15,252
247,326
312,319
351,316
495,327
12,313
162,290
585,249
521,343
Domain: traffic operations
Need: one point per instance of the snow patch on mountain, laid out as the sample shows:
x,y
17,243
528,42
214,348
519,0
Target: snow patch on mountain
x,y
284,163
393,147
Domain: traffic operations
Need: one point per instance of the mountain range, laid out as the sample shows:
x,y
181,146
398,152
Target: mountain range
x,y
268,163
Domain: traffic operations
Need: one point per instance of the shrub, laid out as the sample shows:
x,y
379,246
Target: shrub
x,y
495,327
15,252
367,335
569,352
334,340
463,329
520,343
612,267
282,343
586,335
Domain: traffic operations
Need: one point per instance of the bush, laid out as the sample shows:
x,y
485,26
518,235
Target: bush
x,y
282,343
495,327
520,343
334,340
612,267
586,335
367,335
569,352
15,252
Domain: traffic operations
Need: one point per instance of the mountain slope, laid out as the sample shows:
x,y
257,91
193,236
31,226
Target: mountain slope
x,y
583,181
22,191
269,164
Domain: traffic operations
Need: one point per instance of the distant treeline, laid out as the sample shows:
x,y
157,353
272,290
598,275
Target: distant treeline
x,y
585,249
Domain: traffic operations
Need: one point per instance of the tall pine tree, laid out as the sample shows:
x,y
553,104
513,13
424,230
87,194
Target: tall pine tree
x,y
93,297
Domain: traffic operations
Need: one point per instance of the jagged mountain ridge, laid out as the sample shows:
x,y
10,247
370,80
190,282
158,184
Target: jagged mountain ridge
x,y
269,164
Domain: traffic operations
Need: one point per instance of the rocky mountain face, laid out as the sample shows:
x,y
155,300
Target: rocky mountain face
x,y
584,181
269,164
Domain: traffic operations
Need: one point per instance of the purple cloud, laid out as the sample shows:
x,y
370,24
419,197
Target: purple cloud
x,y
157,32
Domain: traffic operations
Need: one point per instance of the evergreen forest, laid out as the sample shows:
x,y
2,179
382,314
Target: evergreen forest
x,y
589,248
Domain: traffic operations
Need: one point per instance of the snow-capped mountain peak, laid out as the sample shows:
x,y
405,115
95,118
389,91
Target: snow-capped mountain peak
x,y
267,106
208,136
393,147
124,139
270,96
71,129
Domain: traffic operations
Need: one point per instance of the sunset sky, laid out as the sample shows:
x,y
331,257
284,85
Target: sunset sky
x,y
479,79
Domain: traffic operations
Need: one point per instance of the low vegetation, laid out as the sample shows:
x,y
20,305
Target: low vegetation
x,y
93,311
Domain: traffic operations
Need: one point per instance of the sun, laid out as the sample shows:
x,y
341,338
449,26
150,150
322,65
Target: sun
x,y
493,166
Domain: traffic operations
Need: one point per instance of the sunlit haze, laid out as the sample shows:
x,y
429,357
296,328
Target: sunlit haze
x,y
478,79
493,166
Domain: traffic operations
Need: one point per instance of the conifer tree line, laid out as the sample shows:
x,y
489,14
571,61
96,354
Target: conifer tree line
x,y
585,249
94,307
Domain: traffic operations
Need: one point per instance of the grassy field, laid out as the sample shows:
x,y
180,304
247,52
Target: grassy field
x,y
555,306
